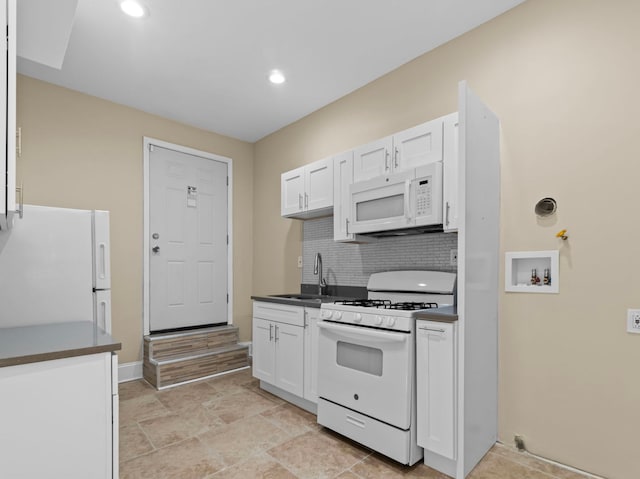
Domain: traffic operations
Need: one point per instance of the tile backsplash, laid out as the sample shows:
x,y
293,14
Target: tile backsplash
x,y
349,264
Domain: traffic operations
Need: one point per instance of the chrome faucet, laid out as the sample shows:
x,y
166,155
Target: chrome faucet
x,y
317,269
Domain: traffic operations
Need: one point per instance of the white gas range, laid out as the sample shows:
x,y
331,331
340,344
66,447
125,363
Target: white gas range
x,y
366,360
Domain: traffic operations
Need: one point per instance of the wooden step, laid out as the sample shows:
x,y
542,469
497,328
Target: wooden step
x,y
193,342
174,358
188,367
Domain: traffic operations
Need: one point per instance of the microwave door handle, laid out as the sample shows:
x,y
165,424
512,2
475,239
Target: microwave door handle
x,y
407,203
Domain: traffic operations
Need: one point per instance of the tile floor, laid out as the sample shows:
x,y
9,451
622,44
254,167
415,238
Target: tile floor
x,y
227,427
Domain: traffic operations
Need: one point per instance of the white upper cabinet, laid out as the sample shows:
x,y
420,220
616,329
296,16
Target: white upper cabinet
x,y
292,192
450,173
372,160
318,183
307,192
8,116
402,151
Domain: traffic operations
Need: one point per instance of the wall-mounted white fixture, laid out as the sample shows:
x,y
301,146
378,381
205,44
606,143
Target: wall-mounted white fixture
x,y
532,272
133,9
276,77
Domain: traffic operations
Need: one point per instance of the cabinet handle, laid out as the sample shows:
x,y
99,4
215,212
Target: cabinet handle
x,y
386,160
300,200
435,330
276,335
306,200
447,215
270,332
20,210
305,319
346,225
395,157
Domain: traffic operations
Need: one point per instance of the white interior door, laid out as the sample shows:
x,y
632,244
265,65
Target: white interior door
x,y
188,261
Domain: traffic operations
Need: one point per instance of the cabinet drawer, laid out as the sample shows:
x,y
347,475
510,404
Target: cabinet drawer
x,y
281,313
377,435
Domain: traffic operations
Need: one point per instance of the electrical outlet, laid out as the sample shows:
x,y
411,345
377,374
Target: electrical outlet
x,y
453,257
299,261
633,320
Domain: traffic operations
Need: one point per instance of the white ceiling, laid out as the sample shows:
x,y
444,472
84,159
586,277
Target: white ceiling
x,y
205,62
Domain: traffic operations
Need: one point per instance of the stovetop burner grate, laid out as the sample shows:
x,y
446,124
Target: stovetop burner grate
x,y
411,306
387,304
365,303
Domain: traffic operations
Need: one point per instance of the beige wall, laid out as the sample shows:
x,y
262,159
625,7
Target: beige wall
x,y
562,75
82,152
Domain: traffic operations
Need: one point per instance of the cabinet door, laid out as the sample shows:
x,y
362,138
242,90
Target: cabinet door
x,y
372,159
417,146
319,185
56,418
292,192
342,179
450,172
264,361
289,350
436,387
311,331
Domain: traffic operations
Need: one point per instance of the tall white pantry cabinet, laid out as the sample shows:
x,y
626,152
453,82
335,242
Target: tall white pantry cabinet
x,y
8,115
457,363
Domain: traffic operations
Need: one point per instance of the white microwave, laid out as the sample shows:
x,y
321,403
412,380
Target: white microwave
x,y
398,204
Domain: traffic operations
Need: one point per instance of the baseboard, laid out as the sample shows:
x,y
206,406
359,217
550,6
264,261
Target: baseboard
x,y
129,371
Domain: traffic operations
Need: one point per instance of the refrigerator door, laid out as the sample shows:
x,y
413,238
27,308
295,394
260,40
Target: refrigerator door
x,y
102,309
46,268
101,259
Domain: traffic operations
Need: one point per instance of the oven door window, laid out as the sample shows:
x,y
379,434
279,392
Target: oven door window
x,y
361,358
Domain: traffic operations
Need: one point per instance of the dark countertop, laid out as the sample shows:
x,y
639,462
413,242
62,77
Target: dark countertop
x,y
306,302
445,314
44,342
312,299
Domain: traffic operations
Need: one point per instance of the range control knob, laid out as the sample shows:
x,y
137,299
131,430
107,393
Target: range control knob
x,y
378,320
357,318
326,314
391,321
338,315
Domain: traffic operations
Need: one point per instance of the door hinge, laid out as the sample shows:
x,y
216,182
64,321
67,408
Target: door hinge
x,y
227,239
227,298
150,147
227,181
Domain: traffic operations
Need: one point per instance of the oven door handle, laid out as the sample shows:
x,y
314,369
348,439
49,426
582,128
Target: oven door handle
x,y
360,332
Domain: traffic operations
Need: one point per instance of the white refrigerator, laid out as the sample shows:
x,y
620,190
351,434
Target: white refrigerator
x,y
55,267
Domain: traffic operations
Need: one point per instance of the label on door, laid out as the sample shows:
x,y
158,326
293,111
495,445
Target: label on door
x,y
192,196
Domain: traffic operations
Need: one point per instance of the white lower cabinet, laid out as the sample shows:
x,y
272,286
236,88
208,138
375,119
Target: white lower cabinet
x,y
278,346
436,387
59,418
285,347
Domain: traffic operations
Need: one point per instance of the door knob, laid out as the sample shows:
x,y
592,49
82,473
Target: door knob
x,y
156,249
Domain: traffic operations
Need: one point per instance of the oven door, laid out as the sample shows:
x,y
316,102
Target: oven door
x,y
367,370
381,204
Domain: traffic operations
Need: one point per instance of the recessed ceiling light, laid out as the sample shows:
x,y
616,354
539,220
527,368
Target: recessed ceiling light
x,y
133,8
276,77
